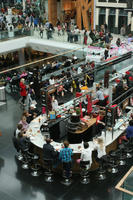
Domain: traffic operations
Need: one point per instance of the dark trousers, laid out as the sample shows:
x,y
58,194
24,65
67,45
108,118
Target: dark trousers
x,y
23,99
67,168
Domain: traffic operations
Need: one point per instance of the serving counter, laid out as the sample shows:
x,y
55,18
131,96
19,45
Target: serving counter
x,y
37,139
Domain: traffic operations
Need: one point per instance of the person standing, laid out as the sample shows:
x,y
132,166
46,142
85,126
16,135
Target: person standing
x,y
129,130
100,96
86,155
106,79
23,92
41,32
66,158
85,37
49,153
123,31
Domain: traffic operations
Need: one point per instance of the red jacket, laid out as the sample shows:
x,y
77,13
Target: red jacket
x,y
22,89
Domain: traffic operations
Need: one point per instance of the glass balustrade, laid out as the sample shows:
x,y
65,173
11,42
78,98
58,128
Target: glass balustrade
x,y
126,185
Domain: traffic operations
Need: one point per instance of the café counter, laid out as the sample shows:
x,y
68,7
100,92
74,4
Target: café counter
x,y
37,139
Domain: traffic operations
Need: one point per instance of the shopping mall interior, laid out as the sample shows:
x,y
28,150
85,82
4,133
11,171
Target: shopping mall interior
x,y
66,99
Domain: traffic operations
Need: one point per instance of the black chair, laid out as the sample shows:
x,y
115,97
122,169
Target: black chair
x,y
19,155
35,166
84,173
49,172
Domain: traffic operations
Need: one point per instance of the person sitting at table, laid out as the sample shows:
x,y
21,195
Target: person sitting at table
x,y
74,58
27,115
51,80
100,96
73,71
33,112
48,67
86,155
24,141
129,130
24,123
49,153
18,130
80,69
66,158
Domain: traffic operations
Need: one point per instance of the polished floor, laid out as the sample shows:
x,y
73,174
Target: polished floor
x,y
18,184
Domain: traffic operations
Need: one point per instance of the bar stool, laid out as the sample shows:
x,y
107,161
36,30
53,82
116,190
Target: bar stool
x,y
128,151
122,155
113,166
25,160
35,167
66,178
48,174
101,174
18,155
84,172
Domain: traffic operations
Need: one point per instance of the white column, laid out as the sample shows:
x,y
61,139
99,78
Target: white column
x,y
21,56
116,18
97,16
58,10
110,94
24,5
129,18
94,16
132,24
46,8
107,15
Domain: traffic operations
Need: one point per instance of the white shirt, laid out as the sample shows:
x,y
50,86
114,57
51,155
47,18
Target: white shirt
x,y
101,151
79,70
99,95
51,81
55,105
86,155
17,132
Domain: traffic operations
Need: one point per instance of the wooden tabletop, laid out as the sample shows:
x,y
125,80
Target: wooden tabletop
x,y
87,125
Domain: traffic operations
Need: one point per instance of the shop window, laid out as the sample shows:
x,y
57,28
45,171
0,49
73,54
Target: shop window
x,y
102,0
112,1
102,11
122,1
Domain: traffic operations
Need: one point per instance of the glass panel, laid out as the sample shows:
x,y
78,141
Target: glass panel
x,y
112,11
122,1
102,11
102,0
112,1
123,12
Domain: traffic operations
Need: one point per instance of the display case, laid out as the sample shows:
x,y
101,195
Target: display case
x,y
118,113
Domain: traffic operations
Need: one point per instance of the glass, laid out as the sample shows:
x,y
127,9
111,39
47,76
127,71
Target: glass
x,y
126,185
15,33
118,113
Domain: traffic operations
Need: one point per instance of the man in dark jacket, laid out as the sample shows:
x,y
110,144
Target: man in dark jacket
x,y
49,153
